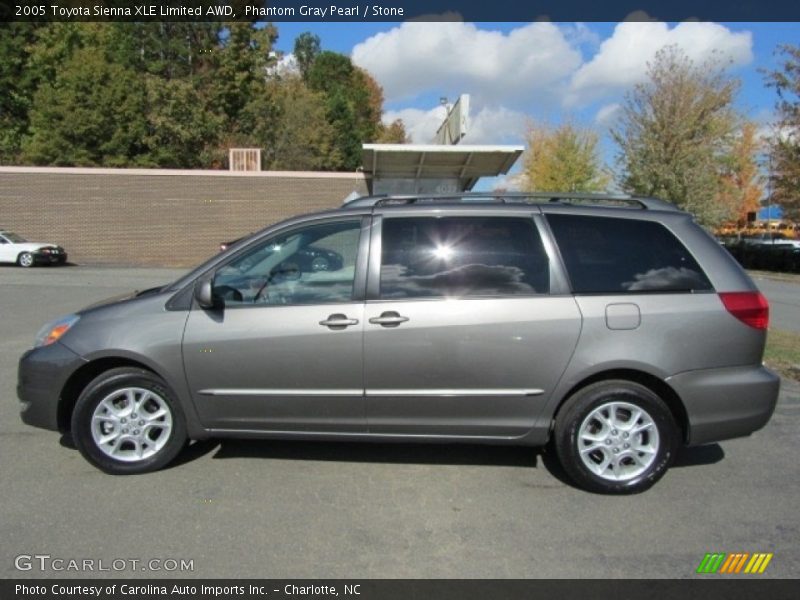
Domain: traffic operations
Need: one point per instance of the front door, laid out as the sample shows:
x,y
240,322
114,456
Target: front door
x,y
6,251
283,352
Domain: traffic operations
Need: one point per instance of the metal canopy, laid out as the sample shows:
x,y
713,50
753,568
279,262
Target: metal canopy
x,y
433,168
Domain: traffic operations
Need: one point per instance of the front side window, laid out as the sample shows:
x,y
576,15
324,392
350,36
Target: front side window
x,y
611,255
457,257
311,265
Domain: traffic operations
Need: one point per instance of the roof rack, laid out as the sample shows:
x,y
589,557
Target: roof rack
x,y
565,198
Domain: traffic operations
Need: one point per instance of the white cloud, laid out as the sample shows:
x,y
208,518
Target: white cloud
x,y
607,113
286,65
489,125
528,65
622,59
538,69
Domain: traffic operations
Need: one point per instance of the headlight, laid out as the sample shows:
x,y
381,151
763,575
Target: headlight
x,y
53,331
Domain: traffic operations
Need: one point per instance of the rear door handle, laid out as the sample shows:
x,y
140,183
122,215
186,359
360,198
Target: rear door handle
x,y
389,319
338,321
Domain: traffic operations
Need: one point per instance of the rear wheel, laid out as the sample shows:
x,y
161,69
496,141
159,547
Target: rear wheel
x,y
615,437
128,421
25,260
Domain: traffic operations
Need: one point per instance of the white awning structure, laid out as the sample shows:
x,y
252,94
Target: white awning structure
x,y
433,168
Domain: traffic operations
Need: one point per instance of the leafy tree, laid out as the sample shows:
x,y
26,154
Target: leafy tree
x,y
16,87
354,103
292,128
676,133
741,188
394,133
563,158
306,50
92,114
181,131
784,147
240,71
179,95
342,118
170,50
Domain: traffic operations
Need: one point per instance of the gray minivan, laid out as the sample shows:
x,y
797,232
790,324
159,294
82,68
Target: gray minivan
x,y
614,328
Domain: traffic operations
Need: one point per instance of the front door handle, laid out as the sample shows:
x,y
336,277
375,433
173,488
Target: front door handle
x,y
388,319
338,321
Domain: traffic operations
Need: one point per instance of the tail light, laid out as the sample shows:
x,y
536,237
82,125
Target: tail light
x,y
749,307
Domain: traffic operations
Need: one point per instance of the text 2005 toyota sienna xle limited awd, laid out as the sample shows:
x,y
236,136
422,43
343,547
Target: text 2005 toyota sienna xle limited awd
x,y
615,328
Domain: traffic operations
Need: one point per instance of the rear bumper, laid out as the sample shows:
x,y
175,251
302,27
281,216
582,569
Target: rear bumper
x,y
41,377
726,403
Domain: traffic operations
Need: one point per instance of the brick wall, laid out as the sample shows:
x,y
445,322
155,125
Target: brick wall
x,y
157,217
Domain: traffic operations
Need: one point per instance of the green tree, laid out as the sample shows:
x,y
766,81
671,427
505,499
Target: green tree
x,y
292,127
741,188
181,131
354,103
166,49
784,145
240,71
394,133
92,114
306,50
676,134
16,87
563,158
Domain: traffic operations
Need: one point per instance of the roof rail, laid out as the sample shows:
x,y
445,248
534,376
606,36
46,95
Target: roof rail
x,y
567,198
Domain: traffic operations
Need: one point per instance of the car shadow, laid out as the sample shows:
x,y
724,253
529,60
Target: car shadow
x,y
11,266
192,451
403,453
699,455
66,440
376,452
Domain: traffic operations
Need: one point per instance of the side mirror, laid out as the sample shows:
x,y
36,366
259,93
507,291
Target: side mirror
x,y
204,294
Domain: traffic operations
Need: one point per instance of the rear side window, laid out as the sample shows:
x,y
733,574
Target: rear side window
x,y
608,255
456,257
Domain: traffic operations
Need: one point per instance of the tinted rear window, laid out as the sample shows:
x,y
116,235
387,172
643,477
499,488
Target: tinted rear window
x,y
462,256
608,255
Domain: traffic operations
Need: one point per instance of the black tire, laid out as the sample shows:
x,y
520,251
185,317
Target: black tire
x,y
577,409
25,260
104,387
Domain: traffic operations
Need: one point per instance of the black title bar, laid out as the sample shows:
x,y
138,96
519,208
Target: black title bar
x,y
705,588
398,10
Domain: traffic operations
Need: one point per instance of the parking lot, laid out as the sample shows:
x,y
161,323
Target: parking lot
x,y
324,510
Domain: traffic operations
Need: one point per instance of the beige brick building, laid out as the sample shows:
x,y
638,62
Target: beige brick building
x,y
157,216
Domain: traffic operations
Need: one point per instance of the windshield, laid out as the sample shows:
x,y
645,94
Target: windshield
x,y
14,238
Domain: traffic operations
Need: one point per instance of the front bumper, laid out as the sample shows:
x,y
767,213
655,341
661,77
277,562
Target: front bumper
x,y
49,259
42,374
726,403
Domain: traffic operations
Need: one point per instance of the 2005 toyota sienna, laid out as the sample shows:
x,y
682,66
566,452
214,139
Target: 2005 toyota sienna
x,y
614,328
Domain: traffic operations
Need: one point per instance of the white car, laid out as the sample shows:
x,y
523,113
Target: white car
x,y
16,249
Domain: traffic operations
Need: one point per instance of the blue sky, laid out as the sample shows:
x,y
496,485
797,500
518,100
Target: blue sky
x,y
542,71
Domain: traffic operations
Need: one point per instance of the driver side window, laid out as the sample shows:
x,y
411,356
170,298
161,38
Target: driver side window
x,y
310,265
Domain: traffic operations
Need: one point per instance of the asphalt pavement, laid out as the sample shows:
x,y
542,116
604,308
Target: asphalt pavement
x,y
324,510
784,302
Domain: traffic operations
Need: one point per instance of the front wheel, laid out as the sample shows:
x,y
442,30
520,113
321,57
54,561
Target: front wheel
x,y
128,421
615,437
25,260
